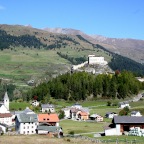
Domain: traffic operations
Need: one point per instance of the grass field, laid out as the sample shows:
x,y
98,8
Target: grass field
x,y
19,105
81,126
22,64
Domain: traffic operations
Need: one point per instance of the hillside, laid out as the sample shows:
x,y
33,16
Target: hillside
x,y
34,54
131,48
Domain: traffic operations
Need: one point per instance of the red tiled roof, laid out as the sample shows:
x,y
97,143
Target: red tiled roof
x,y
4,115
83,114
48,117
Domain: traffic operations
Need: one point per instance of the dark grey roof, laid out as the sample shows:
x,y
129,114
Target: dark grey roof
x,y
47,105
24,118
125,102
128,119
49,128
110,113
28,110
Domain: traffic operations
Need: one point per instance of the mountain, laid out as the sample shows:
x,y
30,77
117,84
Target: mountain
x,y
131,48
72,45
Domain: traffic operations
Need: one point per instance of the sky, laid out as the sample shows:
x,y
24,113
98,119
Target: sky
x,y
110,18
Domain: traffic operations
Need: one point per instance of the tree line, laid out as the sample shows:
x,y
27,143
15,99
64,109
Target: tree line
x,y
7,40
81,85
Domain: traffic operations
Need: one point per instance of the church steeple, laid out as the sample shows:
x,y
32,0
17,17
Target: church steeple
x,y
6,100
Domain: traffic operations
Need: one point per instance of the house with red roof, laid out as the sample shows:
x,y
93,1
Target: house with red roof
x,y
49,118
83,115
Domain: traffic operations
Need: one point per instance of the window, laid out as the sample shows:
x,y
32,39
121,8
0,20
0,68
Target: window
x,y
44,119
48,119
24,127
32,126
27,131
27,126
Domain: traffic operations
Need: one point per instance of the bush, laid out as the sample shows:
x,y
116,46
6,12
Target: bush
x,y
71,132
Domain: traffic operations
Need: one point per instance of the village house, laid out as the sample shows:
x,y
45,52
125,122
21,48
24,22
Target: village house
x,y
35,103
51,131
83,116
120,124
135,113
47,108
50,118
26,123
124,104
73,112
110,114
66,112
96,117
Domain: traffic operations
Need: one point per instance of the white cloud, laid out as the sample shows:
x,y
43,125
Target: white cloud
x,y
2,8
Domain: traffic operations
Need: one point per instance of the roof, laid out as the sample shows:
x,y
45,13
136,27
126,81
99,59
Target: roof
x,y
4,115
94,115
134,112
123,103
25,118
6,96
52,117
49,128
47,105
110,113
128,119
74,110
27,110
83,114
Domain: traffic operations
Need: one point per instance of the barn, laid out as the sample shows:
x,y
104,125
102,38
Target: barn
x,y
120,124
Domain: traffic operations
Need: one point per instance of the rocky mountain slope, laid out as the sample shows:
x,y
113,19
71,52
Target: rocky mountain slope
x,y
131,48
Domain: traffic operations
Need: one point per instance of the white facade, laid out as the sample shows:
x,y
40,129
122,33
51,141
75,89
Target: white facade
x,y
92,59
48,108
136,113
113,131
27,128
66,112
3,109
124,105
6,100
6,119
3,128
35,103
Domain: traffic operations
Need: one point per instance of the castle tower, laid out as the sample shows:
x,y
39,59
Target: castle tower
x,y
6,101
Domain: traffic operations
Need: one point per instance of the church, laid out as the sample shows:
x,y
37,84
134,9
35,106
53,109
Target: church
x,y
5,115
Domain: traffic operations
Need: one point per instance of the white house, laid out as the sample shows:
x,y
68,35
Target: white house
x,y
6,118
47,108
135,113
35,103
96,117
66,112
110,114
124,104
26,123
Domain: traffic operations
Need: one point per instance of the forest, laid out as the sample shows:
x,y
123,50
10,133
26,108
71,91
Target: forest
x,y
81,86
7,40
